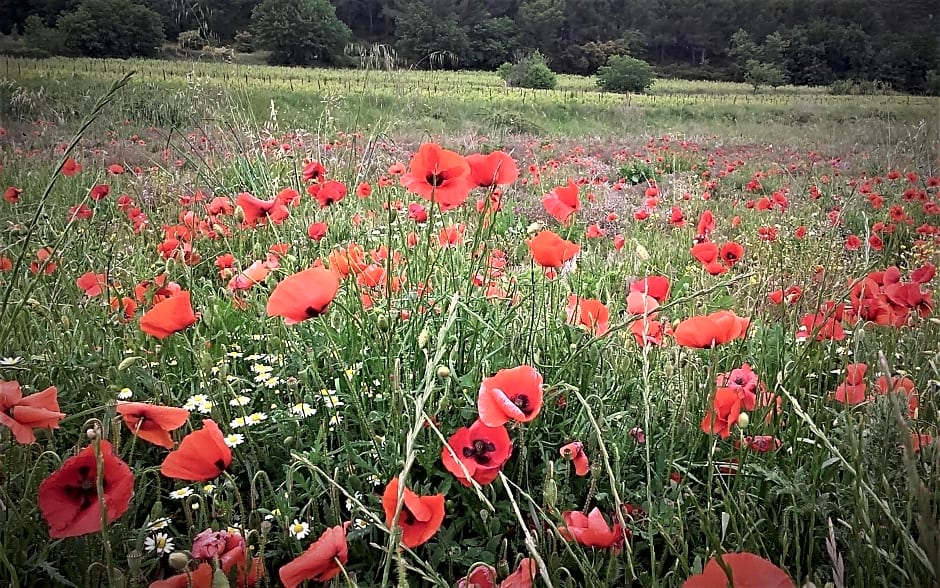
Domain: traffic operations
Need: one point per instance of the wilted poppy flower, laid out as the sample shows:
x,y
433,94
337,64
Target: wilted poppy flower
x,y
513,394
201,456
550,250
575,452
420,516
723,414
439,175
303,295
23,415
562,201
710,330
762,443
69,501
591,530
169,316
320,562
481,450
497,168
152,422
588,313
746,570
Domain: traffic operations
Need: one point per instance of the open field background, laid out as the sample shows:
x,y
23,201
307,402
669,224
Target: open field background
x,y
833,475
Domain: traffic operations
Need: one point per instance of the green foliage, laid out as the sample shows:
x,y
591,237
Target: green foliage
x,y
300,32
493,42
933,82
504,71
425,34
758,73
43,38
244,42
531,71
625,74
112,28
192,40
860,88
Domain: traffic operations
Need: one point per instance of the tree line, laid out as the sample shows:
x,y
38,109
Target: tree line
x,y
815,42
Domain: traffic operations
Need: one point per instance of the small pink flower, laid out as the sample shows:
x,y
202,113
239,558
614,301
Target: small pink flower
x,y
638,434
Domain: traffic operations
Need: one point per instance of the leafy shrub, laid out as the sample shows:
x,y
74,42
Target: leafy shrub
x,y
244,42
759,73
300,32
860,88
41,38
112,28
531,71
192,40
504,70
625,74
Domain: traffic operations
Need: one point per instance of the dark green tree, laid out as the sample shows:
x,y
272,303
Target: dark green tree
x,y
300,32
432,33
112,28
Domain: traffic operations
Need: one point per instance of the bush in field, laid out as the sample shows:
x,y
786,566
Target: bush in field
x,y
112,28
191,40
758,73
531,71
300,32
244,42
860,88
625,74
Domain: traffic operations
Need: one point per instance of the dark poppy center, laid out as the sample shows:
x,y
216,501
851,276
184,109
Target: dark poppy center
x,y
83,491
406,517
312,312
219,464
435,179
522,401
478,451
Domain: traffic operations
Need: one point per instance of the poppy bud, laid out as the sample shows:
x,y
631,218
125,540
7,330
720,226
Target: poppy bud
x,y
205,360
423,337
127,362
502,567
91,433
265,526
743,420
133,562
239,214
382,323
443,372
65,321
642,252
179,560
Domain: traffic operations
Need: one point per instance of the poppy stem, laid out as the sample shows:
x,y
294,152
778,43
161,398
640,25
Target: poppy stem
x,y
529,541
102,506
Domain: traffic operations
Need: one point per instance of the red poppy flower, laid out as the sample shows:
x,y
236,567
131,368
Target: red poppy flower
x,y
420,516
231,552
523,577
706,252
313,171
655,286
303,295
730,253
706,224
92,284
317,231
23,415
745,570
439,175
900,385
256,273
591,530
550,250
710,330
497,168
723,414
575,452
320,562
327,193
71,167
640,303
588,313
513,394
201,577
480,576
562,201
152,422
259,211
12,194
647,332
99,192
825,327
201,456
69,501
923,274
480,449
169,316
115,169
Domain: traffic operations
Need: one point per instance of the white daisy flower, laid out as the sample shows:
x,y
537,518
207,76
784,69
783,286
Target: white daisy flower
x,y
157,524
255,418
234,439
125,393
238,423
299,530
159,543
240,400
209,488
181,493
10,361
303,409
359,523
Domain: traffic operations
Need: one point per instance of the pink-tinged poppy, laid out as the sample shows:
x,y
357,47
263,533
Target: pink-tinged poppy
x,y
152,422
12,194
169,316
69,500
575,452
655,286
562,202
417,213
229,551
439,175
641,304
591,530
497,168
594,231
303,295
551,251
92,284
256,273
824,327
321,562
723,414
762,443
201,456
480,449
711,330
23,415
480,576
523,577
513,394
589,313
316,231
71,167
744,570
420,517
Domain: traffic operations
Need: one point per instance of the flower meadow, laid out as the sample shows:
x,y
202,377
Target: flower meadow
x,y
272,357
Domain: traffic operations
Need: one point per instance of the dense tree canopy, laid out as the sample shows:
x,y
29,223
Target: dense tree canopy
x,y
807,41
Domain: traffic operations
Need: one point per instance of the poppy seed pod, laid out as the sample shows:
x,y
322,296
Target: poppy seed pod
x,y
179,560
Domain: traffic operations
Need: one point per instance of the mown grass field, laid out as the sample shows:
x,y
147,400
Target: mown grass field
x,y
160,252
